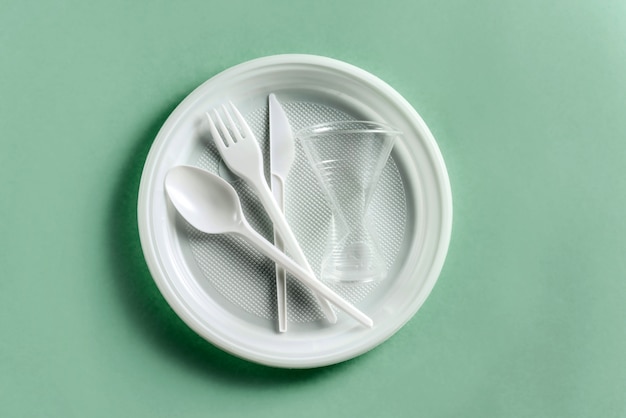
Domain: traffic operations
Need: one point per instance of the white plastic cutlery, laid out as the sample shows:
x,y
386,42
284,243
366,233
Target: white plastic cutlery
x,y
240,151
212,206
282,155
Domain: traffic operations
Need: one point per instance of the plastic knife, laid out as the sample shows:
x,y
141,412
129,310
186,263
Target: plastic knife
x,y
282,155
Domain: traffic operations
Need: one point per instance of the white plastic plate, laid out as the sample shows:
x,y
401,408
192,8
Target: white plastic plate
x,y
168,244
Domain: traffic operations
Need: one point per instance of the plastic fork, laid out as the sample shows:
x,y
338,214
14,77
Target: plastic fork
x,y
240,151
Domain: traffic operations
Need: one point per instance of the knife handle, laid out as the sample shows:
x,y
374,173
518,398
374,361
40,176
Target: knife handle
x,y
281,275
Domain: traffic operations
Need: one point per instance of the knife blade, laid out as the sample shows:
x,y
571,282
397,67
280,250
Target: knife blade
x,y
282,156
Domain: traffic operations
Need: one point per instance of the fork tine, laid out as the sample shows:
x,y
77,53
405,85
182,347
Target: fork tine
x,y
225,134
233,125
242,122
217,138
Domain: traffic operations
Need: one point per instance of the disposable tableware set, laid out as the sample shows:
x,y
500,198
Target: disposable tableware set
x,y
333,177
211,205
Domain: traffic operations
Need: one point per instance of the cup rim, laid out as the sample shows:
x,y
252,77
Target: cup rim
x,y
346,127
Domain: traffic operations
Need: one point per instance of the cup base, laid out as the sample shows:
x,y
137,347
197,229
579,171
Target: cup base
x,y
354,264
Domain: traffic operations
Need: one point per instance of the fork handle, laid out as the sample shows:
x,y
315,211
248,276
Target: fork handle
x,y
280,222
301,274
289,239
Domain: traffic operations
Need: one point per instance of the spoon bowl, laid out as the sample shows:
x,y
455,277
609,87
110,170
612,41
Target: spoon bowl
x,y
206,201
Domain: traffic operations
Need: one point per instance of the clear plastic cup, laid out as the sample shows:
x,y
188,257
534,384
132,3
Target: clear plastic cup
x,y
348,158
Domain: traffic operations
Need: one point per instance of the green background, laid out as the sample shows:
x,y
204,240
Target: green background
x,y
527,100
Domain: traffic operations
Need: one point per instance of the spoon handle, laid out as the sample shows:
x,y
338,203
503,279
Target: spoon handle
x,y
301,274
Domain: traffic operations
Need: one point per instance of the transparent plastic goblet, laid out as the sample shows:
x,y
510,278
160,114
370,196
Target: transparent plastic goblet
x,y
348,158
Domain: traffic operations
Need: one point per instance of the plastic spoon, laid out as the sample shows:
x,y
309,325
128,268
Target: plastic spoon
x,y
212,206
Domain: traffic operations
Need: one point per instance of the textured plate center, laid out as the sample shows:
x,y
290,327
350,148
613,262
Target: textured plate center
x,y
246,278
